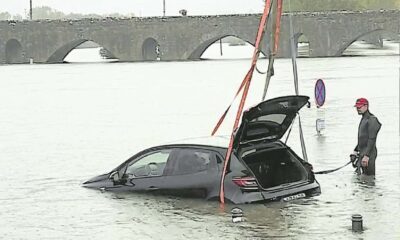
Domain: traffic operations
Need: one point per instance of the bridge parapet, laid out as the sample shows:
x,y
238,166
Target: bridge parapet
x,y
187,37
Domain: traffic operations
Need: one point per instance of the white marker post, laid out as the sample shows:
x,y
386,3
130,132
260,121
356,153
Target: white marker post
x,y
320,122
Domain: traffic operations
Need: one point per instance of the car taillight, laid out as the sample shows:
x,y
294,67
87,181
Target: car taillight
x,y
245,182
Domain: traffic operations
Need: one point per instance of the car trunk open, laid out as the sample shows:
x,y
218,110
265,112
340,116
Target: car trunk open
x,y
275,167
268,121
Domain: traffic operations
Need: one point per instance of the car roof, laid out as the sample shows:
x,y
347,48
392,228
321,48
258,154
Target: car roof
x,y
211,141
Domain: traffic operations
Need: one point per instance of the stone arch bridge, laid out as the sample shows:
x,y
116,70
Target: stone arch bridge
x,y
187,37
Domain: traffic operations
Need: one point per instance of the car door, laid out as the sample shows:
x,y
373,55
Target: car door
x,y
145,172
191,172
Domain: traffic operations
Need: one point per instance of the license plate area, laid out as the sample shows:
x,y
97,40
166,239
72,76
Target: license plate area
x,y
294,197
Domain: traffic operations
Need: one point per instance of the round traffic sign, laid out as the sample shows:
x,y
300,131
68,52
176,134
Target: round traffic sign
x,y
320,93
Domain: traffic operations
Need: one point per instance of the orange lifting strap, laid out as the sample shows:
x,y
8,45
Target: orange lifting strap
x,y
246,83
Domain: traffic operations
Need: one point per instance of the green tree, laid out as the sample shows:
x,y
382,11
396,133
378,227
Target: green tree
x,y
17,17
379,4
80,16
45,12
114,15
334,5
321,5
5,16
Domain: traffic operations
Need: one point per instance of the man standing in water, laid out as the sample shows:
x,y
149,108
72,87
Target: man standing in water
x,y
367,134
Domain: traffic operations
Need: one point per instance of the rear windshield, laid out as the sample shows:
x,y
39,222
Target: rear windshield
x,y
277,118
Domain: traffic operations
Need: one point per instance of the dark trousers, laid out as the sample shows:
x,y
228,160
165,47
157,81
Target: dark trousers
x,y
370,170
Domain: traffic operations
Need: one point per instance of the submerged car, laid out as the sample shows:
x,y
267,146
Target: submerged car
x,y
262,168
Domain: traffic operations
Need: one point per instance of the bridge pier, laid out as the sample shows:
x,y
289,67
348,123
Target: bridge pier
x,y
2,52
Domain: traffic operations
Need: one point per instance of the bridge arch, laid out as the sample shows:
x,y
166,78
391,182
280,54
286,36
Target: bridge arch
x,y
150,49
59,55
14,53
344,46
198,52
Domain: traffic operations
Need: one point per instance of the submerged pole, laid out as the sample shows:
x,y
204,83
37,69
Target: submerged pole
x,y
356,223
30,9
163,8
237,215
220,46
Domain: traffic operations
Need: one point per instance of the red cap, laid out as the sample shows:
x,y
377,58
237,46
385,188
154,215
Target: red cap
x,y
361,102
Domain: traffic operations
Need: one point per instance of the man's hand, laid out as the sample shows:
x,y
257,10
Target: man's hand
x,y
353,158
364,161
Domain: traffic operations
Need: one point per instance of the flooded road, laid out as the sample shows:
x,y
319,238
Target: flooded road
x,y
62,124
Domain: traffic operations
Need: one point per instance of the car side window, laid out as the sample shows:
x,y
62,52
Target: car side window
x,y
188,161
150,165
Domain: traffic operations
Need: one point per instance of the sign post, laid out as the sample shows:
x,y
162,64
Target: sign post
x,y
320,94
163,8
30,10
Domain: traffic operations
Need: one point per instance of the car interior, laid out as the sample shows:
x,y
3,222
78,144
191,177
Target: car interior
x,y
187,162
275,167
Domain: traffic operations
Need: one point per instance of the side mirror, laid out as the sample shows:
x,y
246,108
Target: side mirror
x,y
114,176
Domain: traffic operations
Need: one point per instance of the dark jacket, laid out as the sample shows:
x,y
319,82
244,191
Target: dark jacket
x,y
367,133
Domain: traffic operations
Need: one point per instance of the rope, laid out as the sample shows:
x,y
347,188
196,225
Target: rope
x,y
260,34
332,170
275,43
290,130
246,82
296,80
